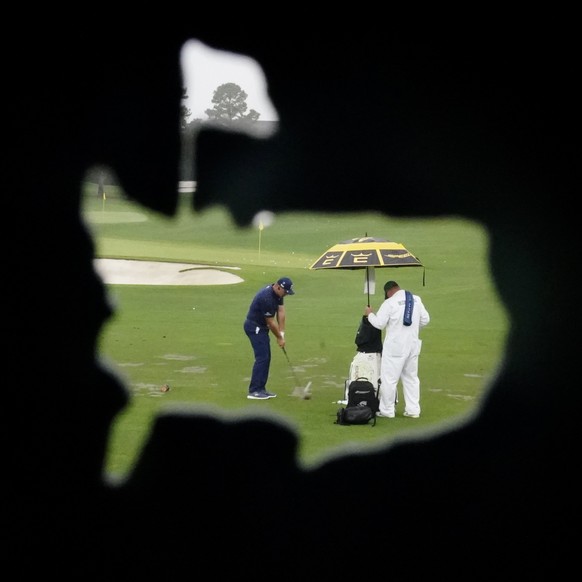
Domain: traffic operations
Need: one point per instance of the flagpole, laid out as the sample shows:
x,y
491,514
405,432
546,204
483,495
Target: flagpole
x,y
101,190
260,233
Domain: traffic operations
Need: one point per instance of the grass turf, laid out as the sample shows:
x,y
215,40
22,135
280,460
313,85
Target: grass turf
x,y
191,338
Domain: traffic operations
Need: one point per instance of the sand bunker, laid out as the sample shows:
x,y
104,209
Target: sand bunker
x,y
134,272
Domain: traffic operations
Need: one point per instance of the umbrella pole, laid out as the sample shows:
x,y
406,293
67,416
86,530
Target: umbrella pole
x,y
368,280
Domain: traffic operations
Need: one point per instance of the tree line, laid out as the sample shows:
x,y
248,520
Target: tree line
x,y
229,111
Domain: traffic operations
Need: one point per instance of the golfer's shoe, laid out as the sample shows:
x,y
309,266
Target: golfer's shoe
x,y
411,415
258,396
261,395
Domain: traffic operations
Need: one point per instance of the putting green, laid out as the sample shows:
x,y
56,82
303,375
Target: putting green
x,y
106,217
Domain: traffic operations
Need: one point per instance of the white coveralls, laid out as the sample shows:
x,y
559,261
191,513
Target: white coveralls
x,y
400,352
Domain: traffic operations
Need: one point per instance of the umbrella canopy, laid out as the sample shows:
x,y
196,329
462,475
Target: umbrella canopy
x,y
359,253
366,253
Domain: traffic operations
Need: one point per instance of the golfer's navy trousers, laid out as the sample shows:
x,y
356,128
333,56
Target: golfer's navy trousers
x,y
259,338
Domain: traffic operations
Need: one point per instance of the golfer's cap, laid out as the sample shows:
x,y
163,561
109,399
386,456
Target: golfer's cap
x,y
287,284
389,285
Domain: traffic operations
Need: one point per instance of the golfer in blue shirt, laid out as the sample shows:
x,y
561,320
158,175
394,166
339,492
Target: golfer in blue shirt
x,y
266,312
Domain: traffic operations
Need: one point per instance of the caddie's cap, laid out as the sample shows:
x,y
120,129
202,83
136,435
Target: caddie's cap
x,y
390,285
287,284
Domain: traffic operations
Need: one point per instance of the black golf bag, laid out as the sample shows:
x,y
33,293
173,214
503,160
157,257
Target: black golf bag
x,y
366,362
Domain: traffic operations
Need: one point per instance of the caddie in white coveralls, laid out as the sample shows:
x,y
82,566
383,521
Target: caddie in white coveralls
x,y
401,348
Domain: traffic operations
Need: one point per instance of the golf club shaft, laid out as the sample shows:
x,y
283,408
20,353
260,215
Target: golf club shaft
x,y
292,370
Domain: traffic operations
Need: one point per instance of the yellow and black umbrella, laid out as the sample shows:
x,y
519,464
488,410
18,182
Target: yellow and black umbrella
x,y
366,253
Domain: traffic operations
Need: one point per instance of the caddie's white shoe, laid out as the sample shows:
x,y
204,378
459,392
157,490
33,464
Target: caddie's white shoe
x,y
389,415
411,415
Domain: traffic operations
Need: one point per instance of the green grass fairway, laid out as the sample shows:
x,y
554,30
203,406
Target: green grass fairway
x,y
191,337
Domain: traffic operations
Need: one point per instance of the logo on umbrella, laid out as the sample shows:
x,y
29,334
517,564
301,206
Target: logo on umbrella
x,y
358,253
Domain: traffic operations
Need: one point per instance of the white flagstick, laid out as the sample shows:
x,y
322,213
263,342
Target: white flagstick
x,y
261,226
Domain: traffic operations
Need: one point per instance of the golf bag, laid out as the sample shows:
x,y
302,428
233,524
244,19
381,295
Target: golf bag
x,y
362,404
366,362
362,392
355,415
367,366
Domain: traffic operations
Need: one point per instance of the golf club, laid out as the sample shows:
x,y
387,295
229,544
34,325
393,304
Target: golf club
x,y
292,370
303,392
